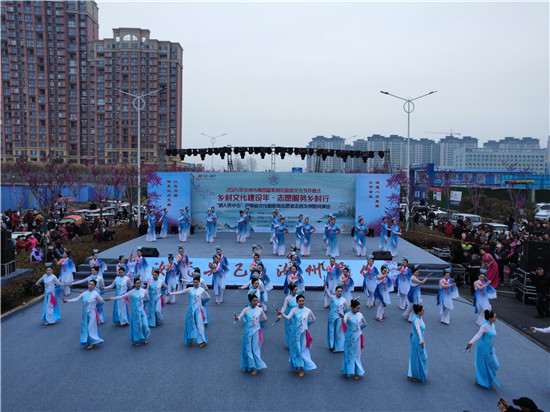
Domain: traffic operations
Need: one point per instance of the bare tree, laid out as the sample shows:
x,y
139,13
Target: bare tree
x,y
476,191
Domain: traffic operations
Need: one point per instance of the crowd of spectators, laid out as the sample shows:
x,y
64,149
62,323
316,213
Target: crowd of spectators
x,y
55,235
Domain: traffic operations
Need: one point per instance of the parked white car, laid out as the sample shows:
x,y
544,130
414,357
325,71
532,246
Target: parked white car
x,y
543,211
475,219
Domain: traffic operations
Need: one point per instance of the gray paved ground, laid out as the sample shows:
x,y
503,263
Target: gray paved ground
x,y
198,248
44,368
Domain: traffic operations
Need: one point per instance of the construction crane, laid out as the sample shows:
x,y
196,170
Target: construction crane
x,y
452,134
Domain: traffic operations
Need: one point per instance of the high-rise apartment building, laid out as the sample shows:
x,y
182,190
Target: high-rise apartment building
x,y
331,163
60,85
449,144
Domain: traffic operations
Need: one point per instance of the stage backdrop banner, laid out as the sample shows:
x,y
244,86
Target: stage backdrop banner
x,y
312,272
173,192
311,194
376,196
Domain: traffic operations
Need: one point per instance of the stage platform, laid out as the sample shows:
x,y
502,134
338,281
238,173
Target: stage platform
x,y
197,247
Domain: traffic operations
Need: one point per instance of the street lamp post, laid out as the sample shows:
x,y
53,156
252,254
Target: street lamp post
x,y
139,105
213,142
408,106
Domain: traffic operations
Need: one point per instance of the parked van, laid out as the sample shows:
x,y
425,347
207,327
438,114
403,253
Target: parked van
x,y
475,219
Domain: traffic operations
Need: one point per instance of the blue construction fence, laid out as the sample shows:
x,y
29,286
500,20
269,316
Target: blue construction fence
x,y
18,196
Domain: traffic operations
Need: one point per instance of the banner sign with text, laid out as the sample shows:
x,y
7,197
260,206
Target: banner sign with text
x,y
173,192
312,272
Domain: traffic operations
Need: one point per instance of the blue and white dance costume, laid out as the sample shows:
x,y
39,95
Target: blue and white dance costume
x,y
164,226
394,239
182,267
274,222
259,293
139,325
360,242
265,281
66,276
218,281
307,230
353,344
293,278
418,359
121,315
347,286
100,283
140,269
252,338
247,224
486,359
414,297
52,290
210,227
483,292
332,240
241,229
382,296
194,320
155,290
331,281
300,339
183,226
299,232
171,279
447,292
370,283
403,283
101,265
384,236
279,241
89,335
151,229
288,305
339,306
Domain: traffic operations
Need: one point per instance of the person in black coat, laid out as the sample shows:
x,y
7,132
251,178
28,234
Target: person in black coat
x,y
542,283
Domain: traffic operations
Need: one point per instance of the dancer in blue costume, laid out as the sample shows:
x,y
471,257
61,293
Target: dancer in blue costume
x,y
325,233
210,226
183,223
96,261
218,278
139,326
289,304
248,218
223,260
418,359
182,266
141,266
486,360
89,335
384,234
253,317
279,241
66,275
354,342
172,277
155,289
264,279
332,239
331,278
357,223
339,306
241,228
384,286
122,283
194,320
188,222
361,238
151,228
307,230
274,222
403,282
414,297
52,290
293,276
483,292
299,231
369,283
215,218
164,224
128,270
447,292
346,281
256,288
300,342
395,231
100,286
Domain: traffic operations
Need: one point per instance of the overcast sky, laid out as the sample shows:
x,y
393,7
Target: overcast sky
x,y
282,73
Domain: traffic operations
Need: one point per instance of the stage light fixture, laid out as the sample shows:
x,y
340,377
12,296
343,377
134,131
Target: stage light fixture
x,y
381,154
195,152
371,154
310,151
330,152
189,152
243,154
182,156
